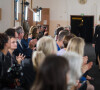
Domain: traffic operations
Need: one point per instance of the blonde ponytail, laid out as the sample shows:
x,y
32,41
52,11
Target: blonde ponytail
x,y
37,58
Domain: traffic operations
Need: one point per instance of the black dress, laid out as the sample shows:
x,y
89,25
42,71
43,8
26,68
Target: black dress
x,y
12,58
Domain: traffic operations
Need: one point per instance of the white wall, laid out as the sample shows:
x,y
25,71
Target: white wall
x,y
60,10
92,7
56,8
7,14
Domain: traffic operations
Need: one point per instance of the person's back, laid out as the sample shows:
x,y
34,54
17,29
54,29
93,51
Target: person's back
x,y
29,73
53,74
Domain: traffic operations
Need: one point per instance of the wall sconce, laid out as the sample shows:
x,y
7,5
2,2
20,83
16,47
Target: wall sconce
x,y
16,5
26,4
37,14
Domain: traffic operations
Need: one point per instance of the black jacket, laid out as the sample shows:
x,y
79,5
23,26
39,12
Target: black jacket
x,y
29,73
5,63
96,39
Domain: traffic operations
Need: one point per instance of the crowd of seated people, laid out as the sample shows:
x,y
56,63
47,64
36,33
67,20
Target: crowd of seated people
x,y
37,61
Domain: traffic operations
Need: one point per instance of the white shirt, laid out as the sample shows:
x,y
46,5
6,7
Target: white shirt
x,y
19,41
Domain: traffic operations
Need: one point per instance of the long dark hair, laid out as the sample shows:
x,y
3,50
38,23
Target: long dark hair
x,y
34,33
3,40
10,32
52,74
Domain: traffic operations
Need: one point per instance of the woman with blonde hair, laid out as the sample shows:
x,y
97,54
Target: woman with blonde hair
x,y
45,46
31,28
38,58
76,44
33,32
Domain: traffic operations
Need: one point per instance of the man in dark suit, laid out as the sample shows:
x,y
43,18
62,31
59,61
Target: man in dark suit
x,y
20,48
96,44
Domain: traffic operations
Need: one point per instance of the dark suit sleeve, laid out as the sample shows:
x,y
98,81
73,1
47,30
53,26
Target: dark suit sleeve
x,y
95,36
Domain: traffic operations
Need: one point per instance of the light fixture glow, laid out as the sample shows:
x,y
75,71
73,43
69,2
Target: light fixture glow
x,y
26,12
16,9
26,4
37,15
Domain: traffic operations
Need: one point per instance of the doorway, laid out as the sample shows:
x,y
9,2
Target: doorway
x,y
82,26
